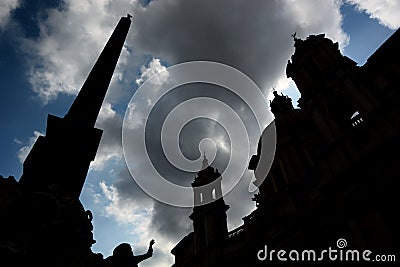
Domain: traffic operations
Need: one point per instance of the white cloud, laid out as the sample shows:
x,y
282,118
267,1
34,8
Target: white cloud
x,y
106,113
387,12
135,110
69,42
125,211
138,216
6,8
104,155
17,141
152,68
24,151
135,116
110,145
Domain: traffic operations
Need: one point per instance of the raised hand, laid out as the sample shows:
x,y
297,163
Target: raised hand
x,y
152,242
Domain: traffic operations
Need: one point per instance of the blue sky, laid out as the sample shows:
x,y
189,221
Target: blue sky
x,y
48,47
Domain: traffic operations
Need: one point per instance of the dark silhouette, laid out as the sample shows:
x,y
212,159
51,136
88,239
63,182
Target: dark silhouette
x,y
123,256
209,221
335,171
60,160
43,222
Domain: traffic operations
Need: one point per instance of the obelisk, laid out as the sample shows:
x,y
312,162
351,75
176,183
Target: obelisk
x,y
60,160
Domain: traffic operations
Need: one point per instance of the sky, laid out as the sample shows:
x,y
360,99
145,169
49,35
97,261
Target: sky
x,y
47,49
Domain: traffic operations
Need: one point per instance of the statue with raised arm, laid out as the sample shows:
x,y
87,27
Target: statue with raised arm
x,y
123,256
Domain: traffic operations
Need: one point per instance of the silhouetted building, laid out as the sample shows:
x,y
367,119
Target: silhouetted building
x,y
334,173
204,246
45,222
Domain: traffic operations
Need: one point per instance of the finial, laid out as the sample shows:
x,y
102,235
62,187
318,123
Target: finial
x,y
205,161
129,16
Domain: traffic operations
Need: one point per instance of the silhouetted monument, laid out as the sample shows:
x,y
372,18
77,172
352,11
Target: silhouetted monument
x,y
61,159
335,171
123,256
45,223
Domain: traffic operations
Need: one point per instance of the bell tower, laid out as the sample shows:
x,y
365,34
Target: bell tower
x,y
209,212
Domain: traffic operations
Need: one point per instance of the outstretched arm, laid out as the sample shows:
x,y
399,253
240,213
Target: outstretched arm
x,y
147,255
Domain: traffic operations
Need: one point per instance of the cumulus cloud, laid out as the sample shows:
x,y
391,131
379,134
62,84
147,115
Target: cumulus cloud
x,y
135,112
387,12
6,8
251,36
153,67
125,210
128,205
24,151
254,37
70,40
110,145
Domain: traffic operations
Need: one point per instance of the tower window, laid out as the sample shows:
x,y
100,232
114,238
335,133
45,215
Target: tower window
x,y
356,119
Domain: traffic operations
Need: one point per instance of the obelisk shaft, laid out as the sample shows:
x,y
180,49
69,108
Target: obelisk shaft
x,y
87,104
60,160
